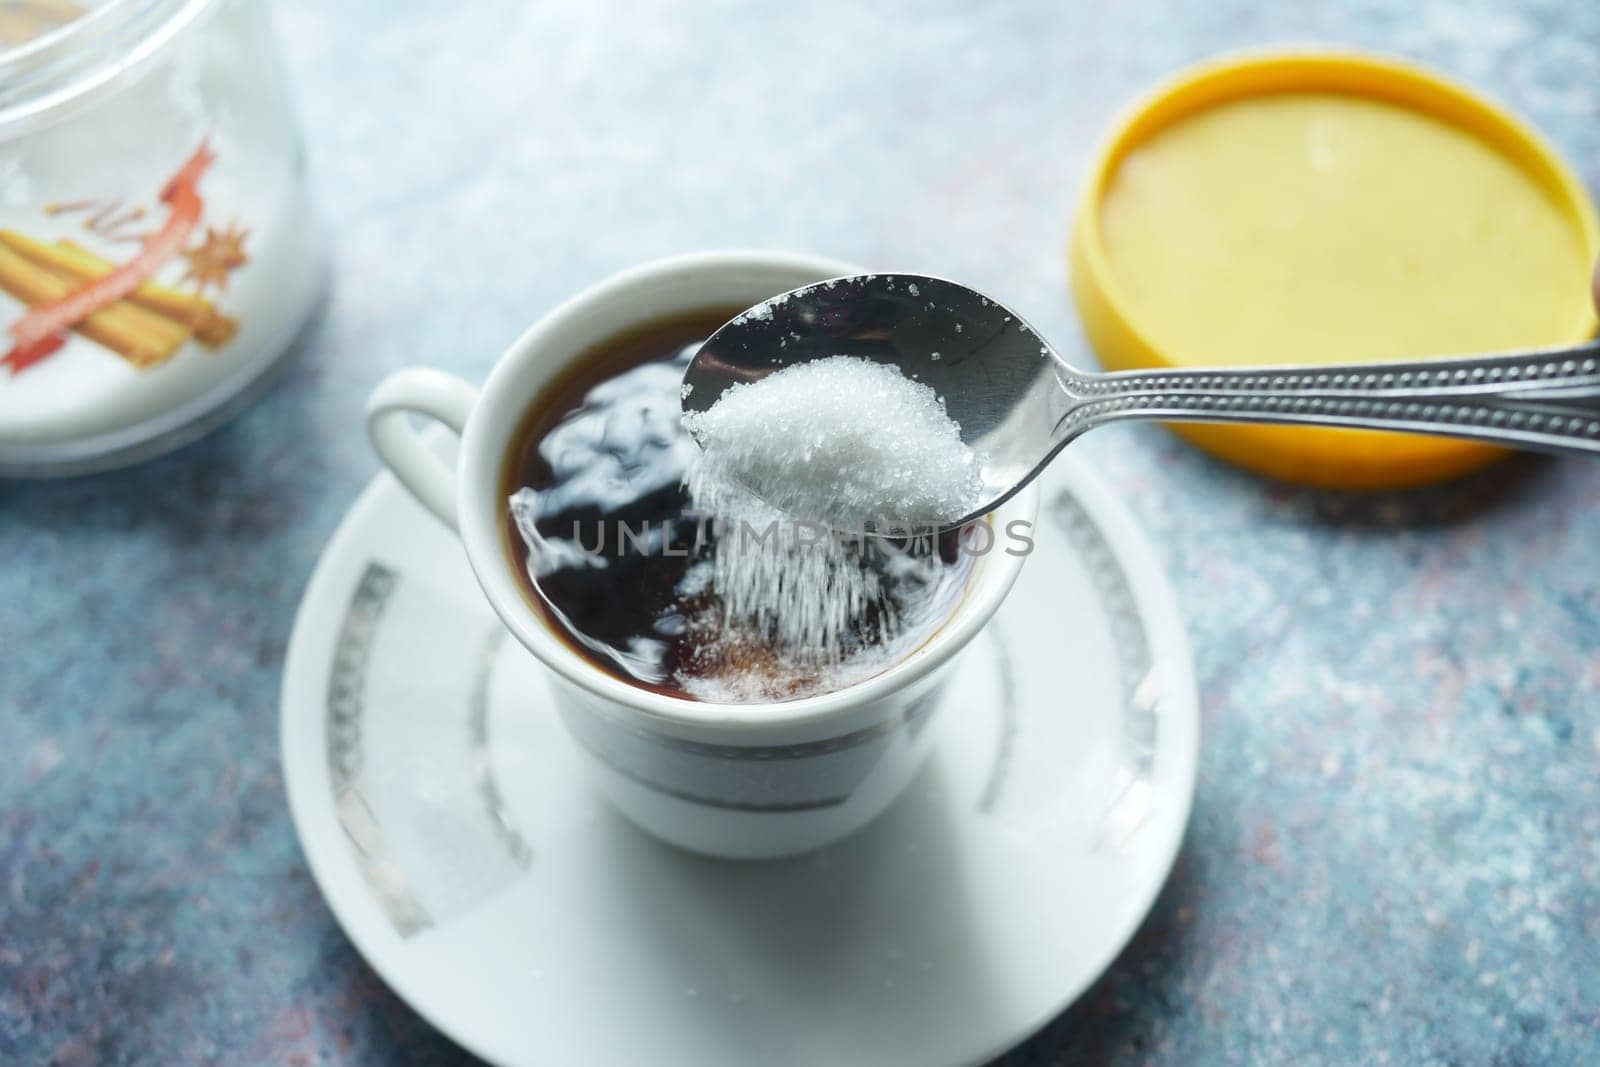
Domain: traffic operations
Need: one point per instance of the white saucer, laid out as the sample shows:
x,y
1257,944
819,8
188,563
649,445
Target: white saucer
x,y
446,821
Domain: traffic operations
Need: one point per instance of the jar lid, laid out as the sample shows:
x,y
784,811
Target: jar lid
x,y
1306,207
74,52
24,21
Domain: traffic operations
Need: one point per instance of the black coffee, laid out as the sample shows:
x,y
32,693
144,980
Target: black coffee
x,y
619,564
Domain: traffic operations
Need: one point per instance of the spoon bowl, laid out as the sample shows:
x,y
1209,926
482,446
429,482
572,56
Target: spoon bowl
x,y
1000,382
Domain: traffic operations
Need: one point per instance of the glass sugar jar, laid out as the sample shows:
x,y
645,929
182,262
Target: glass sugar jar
x,y
157,250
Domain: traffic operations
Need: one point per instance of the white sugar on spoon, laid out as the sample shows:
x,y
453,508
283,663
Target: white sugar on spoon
x,y
843,441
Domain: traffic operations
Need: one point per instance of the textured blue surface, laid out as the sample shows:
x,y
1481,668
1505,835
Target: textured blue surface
x,y
1395,853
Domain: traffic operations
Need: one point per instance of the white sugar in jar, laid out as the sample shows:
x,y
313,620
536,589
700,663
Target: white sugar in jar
x,y
157,251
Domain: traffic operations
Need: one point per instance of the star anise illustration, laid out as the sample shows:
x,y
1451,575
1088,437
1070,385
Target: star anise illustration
x,y
214,259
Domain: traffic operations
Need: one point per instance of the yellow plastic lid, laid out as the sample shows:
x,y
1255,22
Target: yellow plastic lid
x,y
1310,207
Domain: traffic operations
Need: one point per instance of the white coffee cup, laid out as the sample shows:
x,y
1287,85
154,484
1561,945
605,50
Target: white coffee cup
x,y
731,780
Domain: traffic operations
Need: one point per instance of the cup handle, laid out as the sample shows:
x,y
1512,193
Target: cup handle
x,y
423,391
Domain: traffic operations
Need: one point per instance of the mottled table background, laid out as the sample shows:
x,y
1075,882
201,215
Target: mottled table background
x,y
1395,853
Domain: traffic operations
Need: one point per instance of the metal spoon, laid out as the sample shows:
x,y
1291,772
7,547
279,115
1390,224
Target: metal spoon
x,y
1018,403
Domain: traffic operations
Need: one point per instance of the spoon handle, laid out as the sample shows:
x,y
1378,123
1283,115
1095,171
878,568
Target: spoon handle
x,y
1546,400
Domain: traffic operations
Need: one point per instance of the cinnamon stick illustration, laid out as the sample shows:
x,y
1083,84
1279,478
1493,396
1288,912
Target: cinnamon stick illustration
x,y
142,337
195,314
209,326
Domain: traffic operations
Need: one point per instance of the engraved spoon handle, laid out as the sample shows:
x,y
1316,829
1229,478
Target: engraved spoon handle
x,y
1546,400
